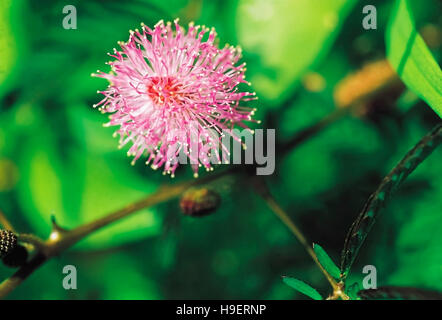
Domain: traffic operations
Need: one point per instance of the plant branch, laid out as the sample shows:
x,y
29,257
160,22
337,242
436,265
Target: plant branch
x,y
60,239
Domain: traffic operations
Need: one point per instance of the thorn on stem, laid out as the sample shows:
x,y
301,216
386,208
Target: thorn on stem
x,y
56,230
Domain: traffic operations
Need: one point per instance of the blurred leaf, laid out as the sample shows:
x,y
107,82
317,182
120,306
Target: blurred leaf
x,y
407,100
302,287
59,62
363,224
418,242
326,261
412,59
80,188
314,167
7,46
108,187
87,123
132,282
288,37
402,293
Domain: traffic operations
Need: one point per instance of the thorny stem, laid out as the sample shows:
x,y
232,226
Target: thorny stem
x,y
32,240
262,189
61,239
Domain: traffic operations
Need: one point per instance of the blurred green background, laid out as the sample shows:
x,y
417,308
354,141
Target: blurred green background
x,y
57,159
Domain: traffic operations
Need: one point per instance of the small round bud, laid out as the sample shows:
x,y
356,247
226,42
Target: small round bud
x,y
16,257
8,242
199,202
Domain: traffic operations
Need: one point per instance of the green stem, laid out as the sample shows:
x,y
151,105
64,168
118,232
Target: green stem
x,y
60,240
264,192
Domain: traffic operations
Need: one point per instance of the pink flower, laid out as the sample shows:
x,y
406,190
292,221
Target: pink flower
x,y
171,92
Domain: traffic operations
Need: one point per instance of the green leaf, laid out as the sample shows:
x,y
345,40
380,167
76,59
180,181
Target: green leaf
x,y
302,287
411,58
286,38
326,261
362,225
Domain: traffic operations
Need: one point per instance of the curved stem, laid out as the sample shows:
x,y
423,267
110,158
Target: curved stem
x,y
263,190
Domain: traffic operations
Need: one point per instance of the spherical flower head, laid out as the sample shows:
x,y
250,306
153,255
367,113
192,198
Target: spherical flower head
x,y
175,94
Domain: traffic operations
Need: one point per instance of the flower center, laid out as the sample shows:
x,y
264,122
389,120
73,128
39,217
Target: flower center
x,y
164,90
